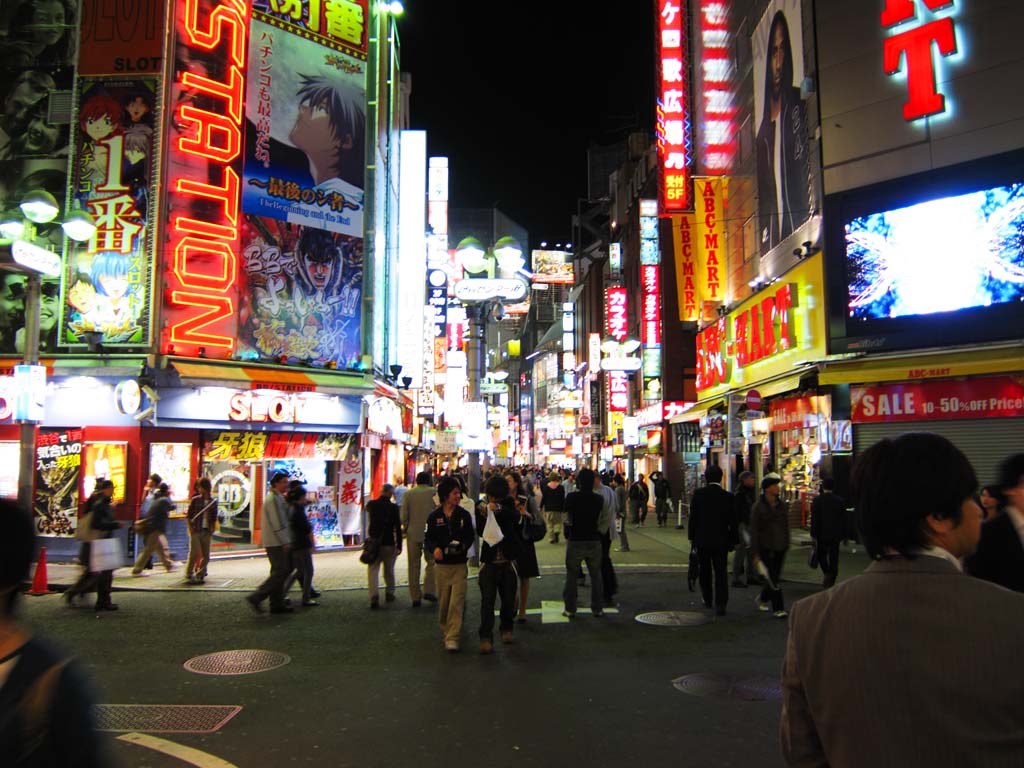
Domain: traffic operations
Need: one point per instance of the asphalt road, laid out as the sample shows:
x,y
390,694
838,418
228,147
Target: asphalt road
x,y
375,688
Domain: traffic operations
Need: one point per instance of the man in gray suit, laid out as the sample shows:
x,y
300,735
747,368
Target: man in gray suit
x,y
913,662
417,504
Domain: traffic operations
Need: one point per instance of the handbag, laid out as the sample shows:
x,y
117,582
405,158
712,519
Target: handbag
x,y
534,528
105,555
371,550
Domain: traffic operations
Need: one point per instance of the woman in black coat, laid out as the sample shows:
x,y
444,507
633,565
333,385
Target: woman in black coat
x,y
102,525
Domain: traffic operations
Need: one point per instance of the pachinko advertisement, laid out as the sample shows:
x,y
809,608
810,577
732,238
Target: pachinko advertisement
x,y
107,280
303,294
58,472
305,129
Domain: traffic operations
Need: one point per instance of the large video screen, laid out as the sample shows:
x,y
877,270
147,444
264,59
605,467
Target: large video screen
x,y
938,256
930,260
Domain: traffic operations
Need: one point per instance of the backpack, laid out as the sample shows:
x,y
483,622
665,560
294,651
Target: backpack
x,y
635,494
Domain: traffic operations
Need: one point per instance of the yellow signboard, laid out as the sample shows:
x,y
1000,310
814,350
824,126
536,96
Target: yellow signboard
x,y
709,230
614,424
683,232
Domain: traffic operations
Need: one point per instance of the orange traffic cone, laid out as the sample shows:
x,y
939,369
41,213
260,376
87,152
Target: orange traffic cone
x,y
40,584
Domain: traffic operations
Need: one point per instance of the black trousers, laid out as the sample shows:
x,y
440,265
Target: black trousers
x,y
773,561
828,559
715,560
497,579
608,580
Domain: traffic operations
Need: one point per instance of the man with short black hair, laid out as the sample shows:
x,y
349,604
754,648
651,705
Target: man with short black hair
x,y
910,663
277,539
1000,555
713,534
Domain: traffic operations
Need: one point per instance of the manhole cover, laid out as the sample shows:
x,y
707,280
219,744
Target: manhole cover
x,y
163,718
236,662
758,688
673,618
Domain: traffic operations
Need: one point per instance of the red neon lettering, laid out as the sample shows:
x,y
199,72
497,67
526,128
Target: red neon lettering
x,y
231,91
917,45
187,331
189,248
234,18
898,11
739,336
209,126
783,303
228,194
768,344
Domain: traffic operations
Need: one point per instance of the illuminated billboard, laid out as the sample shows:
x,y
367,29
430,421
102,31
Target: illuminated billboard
x,y
937,256
552,267
673,108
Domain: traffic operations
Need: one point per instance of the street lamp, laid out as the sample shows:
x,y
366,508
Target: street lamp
x,y
34,261
482,297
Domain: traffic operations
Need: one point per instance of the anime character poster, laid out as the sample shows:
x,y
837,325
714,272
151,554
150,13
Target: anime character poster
x,y
107,280
302,294
785,193
306,130
58,469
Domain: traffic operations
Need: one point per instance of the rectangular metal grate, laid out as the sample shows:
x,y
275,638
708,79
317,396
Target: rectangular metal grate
x,y
163,718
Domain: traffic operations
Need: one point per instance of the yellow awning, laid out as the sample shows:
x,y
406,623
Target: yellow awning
x,y
699,409
778,386
917,367
226,373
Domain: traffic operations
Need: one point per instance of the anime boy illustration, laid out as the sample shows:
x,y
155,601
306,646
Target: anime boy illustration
x,y
331,130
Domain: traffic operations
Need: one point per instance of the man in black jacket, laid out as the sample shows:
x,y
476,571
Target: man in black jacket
x,y
743,572
828,526
498,574
1000,555
713,533
449,535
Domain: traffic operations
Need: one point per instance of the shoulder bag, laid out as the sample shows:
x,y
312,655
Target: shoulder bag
x,y
371,550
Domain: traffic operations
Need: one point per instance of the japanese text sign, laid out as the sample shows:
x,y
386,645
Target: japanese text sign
x,y
673,111
616,314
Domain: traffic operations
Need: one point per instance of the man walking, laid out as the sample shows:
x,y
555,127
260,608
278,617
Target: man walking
x,y
828,525
911,663
621,506
277,539
769,540
417,504
584,513
713,533
387,528
662,492
742,561
608,580
1000,556
202,517
638,501
498,576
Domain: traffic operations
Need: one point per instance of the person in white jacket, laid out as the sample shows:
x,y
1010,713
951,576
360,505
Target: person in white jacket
x,y
277,540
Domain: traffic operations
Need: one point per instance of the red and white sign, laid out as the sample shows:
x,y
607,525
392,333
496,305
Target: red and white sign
x,y
794,413
910,51
618,391
673,112
650,282
663,411
986,398
584,420
616,314
717,90
753,400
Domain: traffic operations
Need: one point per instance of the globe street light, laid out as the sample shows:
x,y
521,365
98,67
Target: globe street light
x,y
482,294
33,261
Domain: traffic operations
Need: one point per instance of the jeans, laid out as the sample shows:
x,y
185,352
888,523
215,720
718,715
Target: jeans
x,y
577,552
388,555
828,559
773,561
497,579
451,598
273,586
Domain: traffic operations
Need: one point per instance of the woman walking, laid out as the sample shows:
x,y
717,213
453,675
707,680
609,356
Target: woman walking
x,y
155,526
101,526
532,525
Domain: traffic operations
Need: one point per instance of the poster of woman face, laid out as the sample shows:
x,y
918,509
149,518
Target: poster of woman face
x,y
305,132
302,295
107,286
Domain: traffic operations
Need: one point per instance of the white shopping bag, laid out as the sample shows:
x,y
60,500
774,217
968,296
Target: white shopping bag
x,y
492,531
105,555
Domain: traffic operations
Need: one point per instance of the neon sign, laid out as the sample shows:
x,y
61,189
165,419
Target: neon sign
x,y
717,94
914,47
673,113
203,227
616,321
280,409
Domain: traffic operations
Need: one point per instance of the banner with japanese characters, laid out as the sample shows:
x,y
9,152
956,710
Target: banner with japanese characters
x,y
710,239
58,470
107,282
305,130
301,294
683,234
257,446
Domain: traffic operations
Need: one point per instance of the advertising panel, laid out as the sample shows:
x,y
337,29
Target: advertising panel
x,y
105,461
305,129
715,84
58,470
709,229
784,188
343,22
120,38
108,279
673,108
985,398
552,267
683,232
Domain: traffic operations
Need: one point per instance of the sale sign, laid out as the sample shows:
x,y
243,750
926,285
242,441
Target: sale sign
x,y
987,398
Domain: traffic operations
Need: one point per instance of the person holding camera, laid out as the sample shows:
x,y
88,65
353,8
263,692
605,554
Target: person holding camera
x,y
449,535
497,561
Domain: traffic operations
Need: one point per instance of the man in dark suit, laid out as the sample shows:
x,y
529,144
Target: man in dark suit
x,y
828,526
1000,555
713,533
911,662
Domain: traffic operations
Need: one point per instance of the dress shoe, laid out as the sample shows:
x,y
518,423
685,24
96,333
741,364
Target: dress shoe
x,y
415,603
486,646
389,598
314,594
430,598
719,611
106,607
282,609
254,601
507,638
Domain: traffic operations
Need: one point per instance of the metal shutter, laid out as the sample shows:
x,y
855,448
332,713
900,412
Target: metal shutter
x,y
985,442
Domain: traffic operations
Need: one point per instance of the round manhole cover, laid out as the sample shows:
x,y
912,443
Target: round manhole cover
x,y
244,662
673,618
758,688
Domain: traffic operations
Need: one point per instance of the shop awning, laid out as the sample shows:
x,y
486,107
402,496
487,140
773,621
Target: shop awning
x,y
933,366
218,373
699,409
109,366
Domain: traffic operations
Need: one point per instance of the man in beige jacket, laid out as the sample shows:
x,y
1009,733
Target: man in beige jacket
x,y
417,504
912,663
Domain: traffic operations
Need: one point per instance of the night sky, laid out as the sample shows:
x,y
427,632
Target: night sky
x,y
514,96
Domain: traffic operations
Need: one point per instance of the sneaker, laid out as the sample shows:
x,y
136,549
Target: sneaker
x,y
139,575
569,615
762,606
507,638
486,646
314,594
780,614
451,646
430,598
